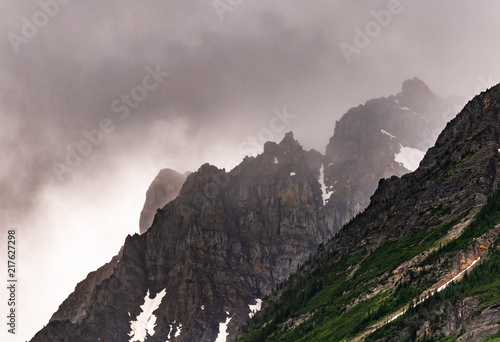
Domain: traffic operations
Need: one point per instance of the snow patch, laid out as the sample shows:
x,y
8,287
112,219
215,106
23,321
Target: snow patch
x,y
323,186
399,314
146,321
410,157
421,117
396,100
458,275
255,308
275,160
178,330
438,290
292,173
402,108
222,336
169,332
203,307
388,134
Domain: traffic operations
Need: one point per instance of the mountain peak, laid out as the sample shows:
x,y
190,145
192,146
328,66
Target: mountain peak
x,y
289,140
164,188
415,93
384,137
415,85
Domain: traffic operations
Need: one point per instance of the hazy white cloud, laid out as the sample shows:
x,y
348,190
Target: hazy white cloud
x,y
225,78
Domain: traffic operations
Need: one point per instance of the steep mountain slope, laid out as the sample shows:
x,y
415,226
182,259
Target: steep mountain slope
x,y
418,233
223,243
384,137
164,188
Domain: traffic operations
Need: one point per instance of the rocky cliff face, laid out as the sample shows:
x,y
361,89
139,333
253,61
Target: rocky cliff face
x,y
164,188
224,242
384,137
414,236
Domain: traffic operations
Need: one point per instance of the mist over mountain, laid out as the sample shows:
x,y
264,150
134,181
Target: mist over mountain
x,y
384,137
361,151
419,264
164,188
67,66
222,242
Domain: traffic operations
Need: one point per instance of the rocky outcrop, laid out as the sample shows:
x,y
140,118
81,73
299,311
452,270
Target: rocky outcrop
x,y
464,318
382,138
482,325
164,188
222,244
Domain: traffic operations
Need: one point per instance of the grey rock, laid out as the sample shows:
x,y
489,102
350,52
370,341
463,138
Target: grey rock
x,y
164,189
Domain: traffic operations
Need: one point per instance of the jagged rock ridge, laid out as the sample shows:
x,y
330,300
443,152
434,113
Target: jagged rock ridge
x,y
225,241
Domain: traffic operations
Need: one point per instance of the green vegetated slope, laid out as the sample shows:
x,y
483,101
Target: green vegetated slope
x,y
482,283
418,231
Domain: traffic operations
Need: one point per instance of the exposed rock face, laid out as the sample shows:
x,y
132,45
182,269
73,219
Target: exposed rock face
x,y
367,140
78,302
225,241
457,318
164,188
481,326
407,217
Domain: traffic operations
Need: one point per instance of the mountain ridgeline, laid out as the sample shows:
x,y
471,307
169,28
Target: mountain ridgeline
x,y
384,137
223,243
226,243
389,274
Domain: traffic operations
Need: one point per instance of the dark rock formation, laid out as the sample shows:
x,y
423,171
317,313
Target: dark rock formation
x,y
224,242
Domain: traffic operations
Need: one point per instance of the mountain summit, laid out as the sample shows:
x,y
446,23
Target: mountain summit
x,y
164,188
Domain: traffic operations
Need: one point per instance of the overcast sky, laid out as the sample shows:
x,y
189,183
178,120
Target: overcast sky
x,y
97,96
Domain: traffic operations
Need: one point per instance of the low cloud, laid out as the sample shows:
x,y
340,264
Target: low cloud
x,y
225,79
